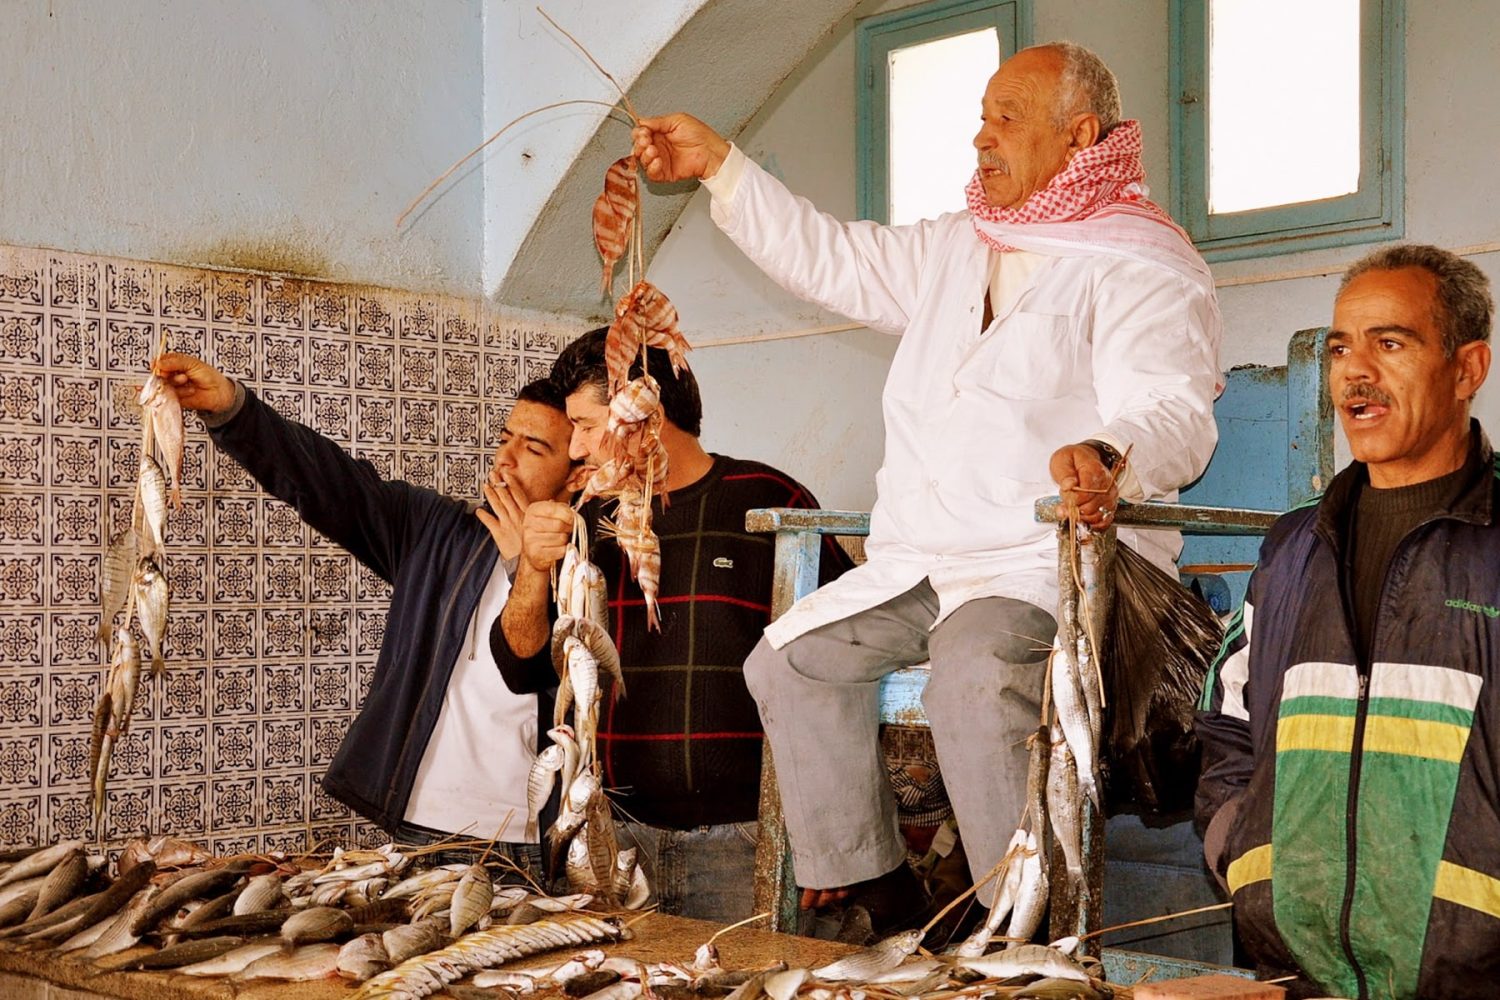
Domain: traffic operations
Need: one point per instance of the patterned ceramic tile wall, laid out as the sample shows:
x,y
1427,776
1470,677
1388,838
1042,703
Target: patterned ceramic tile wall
x,y
273,631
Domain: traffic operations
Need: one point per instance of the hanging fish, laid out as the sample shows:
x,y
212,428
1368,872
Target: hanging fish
x,y
151,601
614,216
150,517
164,411
119,564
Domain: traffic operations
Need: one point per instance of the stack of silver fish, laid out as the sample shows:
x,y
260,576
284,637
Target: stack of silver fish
x,y
134,581
1063,776
582,838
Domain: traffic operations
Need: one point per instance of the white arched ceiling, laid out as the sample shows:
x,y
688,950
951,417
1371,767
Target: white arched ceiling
x,y
725,61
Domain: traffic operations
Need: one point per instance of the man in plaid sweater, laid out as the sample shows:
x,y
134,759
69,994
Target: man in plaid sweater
x,y
681,753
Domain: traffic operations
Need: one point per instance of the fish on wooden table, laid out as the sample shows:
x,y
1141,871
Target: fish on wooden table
x,y
880,957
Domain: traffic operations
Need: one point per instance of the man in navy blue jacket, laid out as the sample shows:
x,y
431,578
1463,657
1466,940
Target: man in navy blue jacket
x,y
1349,729
440,744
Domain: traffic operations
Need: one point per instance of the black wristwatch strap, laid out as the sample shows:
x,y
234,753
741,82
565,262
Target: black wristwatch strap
x,y
1107,453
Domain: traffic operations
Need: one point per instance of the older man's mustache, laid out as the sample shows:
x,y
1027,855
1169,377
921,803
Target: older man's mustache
x,y
989,161
1363,390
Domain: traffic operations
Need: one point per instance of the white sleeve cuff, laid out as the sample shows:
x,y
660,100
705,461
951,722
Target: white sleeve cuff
x,y
726,180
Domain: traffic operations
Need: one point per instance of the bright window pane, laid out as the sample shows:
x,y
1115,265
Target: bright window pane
x,y
935,93
1283,113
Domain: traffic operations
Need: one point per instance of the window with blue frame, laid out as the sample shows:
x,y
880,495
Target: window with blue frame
x,y
921,74
1287,123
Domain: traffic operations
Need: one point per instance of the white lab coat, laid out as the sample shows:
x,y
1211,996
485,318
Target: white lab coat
x,y
1108,345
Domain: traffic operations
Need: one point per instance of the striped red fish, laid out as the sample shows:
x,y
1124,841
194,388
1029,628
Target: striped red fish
x,y
614,216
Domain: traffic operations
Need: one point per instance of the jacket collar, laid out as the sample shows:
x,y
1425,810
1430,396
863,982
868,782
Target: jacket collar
x,y
1475,505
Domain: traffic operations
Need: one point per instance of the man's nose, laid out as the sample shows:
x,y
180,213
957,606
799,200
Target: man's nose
x,y
577,450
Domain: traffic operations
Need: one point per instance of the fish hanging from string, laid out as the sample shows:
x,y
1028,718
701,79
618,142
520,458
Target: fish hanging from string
x,y
134,581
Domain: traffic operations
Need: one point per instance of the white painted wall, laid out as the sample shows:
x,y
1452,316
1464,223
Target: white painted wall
x,y
279,135
811,405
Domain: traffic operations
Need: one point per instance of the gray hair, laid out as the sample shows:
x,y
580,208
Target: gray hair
x,y
1086,85
1464,308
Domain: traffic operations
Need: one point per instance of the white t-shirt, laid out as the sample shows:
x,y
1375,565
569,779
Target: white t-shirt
x,y
474,769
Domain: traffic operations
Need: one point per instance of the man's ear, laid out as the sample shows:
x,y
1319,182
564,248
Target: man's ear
x,y
1084,131
1473,361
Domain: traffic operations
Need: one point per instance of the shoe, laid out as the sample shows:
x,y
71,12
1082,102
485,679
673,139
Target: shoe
x,y
895,900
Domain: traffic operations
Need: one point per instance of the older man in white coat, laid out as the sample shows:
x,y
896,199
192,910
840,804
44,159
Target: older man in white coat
x,y
1059,322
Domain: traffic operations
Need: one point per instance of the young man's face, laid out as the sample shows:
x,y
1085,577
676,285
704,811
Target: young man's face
x,y
533,451
589,412
1403,403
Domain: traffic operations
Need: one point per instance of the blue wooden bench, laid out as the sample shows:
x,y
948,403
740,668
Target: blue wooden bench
x,y
1275,451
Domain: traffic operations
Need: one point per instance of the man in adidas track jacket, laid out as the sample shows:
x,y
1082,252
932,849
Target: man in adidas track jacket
x,y
1351,726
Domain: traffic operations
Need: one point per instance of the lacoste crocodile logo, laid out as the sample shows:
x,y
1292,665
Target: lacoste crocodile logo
x,y
723,562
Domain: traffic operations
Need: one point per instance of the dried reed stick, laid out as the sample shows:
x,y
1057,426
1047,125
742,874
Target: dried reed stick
x,y
471,153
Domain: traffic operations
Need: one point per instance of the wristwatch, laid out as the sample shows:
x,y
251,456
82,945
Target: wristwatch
x,y
1107,453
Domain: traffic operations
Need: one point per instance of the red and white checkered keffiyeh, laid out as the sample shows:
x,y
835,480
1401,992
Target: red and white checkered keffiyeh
x,y
1105,178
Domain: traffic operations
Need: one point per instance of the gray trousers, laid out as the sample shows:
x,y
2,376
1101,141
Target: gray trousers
x,y
819,700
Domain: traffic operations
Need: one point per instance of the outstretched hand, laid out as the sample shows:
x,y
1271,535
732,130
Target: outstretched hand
x,y
677,147
199,386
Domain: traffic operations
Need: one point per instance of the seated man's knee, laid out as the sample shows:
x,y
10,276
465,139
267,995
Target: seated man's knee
x,y
764,664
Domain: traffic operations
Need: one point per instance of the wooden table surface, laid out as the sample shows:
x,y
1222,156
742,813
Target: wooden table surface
x,y
42,975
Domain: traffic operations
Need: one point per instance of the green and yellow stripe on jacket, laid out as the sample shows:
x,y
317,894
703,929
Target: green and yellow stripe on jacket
x,y
1405,753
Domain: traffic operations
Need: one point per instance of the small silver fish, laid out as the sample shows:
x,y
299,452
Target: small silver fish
x,y
471,899
161,406
363,957
879,957
124,681
39,862
1064,806
61,884
150,516
539,782
1026,960
1005,897
263,892
233,961
1031,895
311,961
119,565
151,605
316,923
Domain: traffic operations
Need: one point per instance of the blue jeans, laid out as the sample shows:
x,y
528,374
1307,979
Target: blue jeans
x,y
527,857
707,873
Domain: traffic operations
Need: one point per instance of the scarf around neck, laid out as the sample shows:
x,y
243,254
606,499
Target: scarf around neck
x,y
1107,177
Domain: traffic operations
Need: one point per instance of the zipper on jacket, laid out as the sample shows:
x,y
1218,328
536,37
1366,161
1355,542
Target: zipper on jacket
x,y
1346,939
1363,668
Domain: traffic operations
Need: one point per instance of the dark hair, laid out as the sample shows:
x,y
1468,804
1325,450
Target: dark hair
x,y
581,365
1464,309
545,392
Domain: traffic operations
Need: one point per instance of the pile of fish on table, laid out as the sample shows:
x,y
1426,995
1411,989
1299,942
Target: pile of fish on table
x,y
373,917
265,917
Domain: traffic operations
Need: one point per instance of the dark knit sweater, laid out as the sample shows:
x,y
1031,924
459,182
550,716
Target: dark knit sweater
x,y
683,749
1380,519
